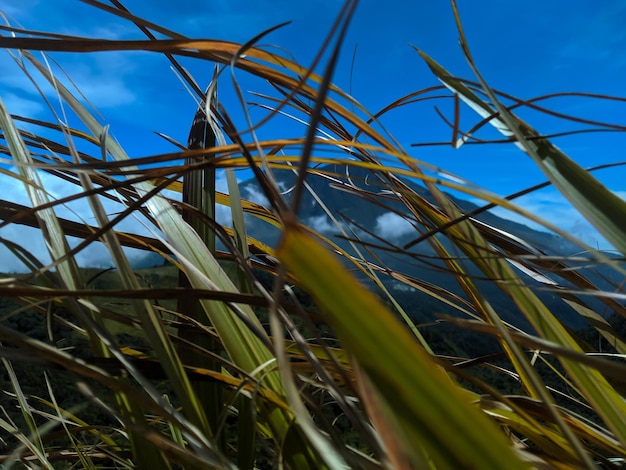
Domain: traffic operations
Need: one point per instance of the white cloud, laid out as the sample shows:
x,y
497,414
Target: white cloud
x,y
29,238
391,225
253,194
552,207
11,9
78,210
20,106
401,287
321,223
104,91
106,80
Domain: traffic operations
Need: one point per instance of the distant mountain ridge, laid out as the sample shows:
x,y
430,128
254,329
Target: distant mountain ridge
x,y
363,212
381,221
360,216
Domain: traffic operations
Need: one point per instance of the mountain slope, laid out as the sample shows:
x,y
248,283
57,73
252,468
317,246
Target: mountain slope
x,y
382,229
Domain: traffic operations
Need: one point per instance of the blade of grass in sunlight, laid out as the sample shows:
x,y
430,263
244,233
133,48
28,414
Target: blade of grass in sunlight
x,y
198,192
56,242
246,433
363,323
594,386
243,345
368,371
606,401
142,308
601,207
59,248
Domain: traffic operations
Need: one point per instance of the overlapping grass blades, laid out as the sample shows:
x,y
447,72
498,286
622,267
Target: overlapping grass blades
x,y
69,278
590,192
346,386
425,404
242,344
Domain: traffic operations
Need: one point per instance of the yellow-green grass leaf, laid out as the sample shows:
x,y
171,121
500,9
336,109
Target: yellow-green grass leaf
x,y
543,437
601,207
71,417
243,346
604,398
433,415
68,269
54,236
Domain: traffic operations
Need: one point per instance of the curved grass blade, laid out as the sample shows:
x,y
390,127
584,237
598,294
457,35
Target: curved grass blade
x,y
606,401
361,321
34,440
600,206
247,348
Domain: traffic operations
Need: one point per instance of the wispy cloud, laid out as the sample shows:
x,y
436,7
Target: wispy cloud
x,y
391,225
253,194
12,9
555,209
321,223
95,254
105,86
104,79
599,34
21,106
137,93
79,210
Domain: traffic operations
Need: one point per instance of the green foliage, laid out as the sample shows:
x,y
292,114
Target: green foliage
x,y
450,348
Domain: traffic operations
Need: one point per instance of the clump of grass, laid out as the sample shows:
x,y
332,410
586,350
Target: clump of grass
x,y
298,354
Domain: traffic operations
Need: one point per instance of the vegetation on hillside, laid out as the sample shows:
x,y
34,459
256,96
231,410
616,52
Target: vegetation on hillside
x,y
261,357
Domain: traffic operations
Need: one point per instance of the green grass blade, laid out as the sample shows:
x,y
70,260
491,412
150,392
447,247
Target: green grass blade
x,y
150,320
234,195
51,229
198,192
427,407
246,433
83,457
587,195
243,346
35,437
602,208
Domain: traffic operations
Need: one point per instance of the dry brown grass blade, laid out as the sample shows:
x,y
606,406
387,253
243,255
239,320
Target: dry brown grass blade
x,y
14,213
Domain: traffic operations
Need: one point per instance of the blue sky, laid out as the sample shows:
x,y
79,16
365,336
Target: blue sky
x,y
526,49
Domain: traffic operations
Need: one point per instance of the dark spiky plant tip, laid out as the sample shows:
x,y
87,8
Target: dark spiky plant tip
x,y
307,355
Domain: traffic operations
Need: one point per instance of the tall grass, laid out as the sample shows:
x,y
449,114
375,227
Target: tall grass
x,y
258,374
